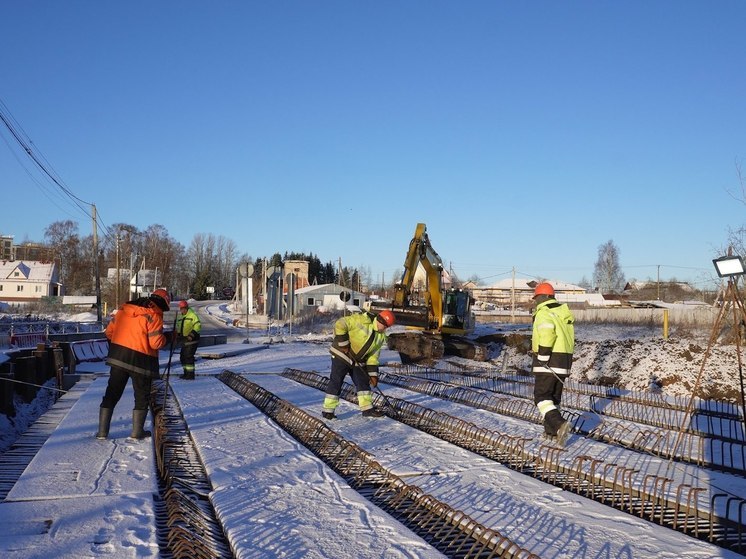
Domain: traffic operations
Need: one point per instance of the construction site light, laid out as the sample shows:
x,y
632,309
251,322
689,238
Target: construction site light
x,y
728,266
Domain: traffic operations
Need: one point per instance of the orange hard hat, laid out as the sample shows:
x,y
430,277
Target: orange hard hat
x,y
387,318
544,289
160,297
183,304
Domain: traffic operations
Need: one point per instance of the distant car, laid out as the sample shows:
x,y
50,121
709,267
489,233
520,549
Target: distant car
x,y
228,292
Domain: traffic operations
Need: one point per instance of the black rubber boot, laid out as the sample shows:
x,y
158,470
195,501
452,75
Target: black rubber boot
x,y
138,422
552,422
373,412
104,422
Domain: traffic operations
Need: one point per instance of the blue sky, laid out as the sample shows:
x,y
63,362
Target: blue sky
x,y
524,134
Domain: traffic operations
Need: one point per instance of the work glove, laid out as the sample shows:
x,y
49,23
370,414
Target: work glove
x,y
373,382
190,338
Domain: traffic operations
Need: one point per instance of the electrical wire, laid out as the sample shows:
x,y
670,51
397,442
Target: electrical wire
x,y
43,165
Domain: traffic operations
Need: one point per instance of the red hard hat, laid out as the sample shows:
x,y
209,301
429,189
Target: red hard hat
x,y
183,304
387,318
160,297
544,289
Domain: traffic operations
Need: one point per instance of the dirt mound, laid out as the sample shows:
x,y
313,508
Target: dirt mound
x,y
676,367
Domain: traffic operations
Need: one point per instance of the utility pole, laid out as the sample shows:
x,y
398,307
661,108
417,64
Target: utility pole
x,y
659,282
95,264
264,287
119,279
512,298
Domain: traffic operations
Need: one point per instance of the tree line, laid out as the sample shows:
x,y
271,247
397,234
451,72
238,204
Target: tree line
x,y
209,261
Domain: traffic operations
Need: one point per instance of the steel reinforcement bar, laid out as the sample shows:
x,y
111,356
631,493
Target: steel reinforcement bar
x,y
716,454
708,418
186,523
684,508
450,531
703,407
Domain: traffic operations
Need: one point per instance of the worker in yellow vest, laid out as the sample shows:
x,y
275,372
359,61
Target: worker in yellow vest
x,y
358,339
188,327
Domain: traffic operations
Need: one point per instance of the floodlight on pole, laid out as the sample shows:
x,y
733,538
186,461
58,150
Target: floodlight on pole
x,y
729,266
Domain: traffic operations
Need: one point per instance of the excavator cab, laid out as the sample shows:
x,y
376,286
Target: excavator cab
x,y
457,316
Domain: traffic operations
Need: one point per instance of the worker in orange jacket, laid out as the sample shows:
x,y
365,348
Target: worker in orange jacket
x,y
135,336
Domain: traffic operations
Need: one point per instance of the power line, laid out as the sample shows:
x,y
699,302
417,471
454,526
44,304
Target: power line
x,y
40,161
21,138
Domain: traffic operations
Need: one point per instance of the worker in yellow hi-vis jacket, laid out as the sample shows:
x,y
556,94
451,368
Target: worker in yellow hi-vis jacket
x,y
552,343
358,339
188,327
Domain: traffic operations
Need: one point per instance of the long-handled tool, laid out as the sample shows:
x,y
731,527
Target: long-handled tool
x,y
170,357
387,402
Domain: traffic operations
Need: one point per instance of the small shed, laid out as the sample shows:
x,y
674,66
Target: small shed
x,y
328,295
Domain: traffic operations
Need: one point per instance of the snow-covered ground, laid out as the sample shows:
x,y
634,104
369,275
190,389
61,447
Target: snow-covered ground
x,y
86,498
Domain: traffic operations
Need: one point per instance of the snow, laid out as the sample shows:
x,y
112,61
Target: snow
x,y
81,497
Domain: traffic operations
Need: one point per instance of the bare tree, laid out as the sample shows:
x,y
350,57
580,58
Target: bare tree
x,y
737,237
607,273
63,239
211,262
162,253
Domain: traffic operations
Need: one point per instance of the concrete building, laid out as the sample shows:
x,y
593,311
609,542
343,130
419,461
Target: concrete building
x,y
299,268
7,251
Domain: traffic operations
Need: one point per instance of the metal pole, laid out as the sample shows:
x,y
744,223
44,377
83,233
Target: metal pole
x,y
737,324
95,264
246,294
659,282
119,279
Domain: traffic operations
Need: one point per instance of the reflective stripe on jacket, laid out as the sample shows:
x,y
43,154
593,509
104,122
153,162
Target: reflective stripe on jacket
x,y
136,335
553,338
357,333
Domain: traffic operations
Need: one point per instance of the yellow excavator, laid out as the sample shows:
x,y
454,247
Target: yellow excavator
x,y
437,318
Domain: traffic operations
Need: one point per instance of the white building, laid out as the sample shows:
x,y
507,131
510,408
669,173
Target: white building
x,y
27,281
329,296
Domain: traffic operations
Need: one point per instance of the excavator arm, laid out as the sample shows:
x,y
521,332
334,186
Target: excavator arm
x,y
440,312
412,312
